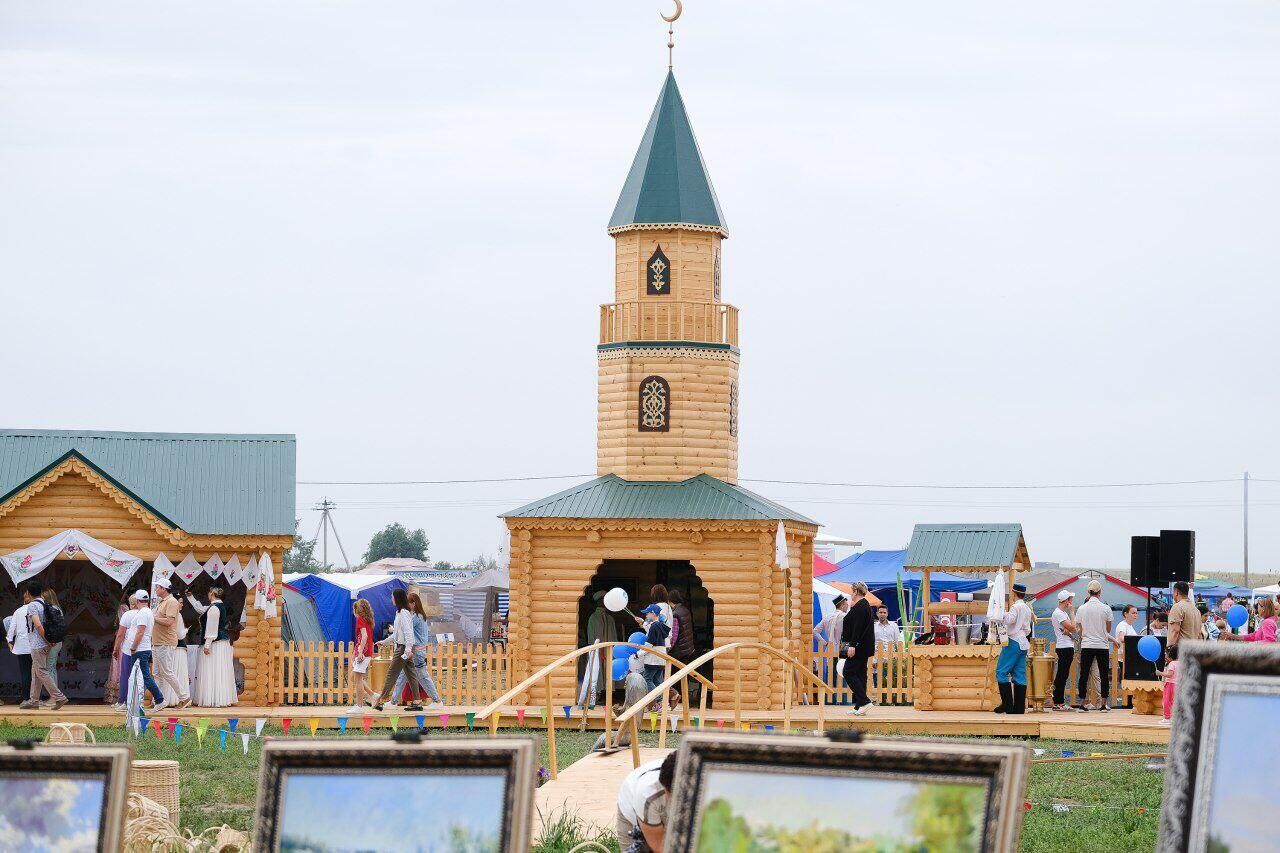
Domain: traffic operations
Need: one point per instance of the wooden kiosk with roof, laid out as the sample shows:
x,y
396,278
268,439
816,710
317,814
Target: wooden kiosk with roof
x,y
666,507
91,513
961,677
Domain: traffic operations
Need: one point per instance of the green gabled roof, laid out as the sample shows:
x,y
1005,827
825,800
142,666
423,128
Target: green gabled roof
x,y
205,483
702,497
668,182
964,545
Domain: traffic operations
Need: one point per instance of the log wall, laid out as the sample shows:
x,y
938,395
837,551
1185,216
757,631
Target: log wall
x,y
692,258
554,560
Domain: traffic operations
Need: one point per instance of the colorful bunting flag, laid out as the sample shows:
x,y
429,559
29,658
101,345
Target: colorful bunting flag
x,y
421,720
315,724
567,709
244,742
285,723
258,725
222,739
444,721
653,721
768,728
520,716
177,732
471,719
232,722
342,725
720,725
142,725
395,724
159,727
365,723
542,712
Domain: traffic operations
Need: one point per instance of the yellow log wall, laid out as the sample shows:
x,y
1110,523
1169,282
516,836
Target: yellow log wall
x,y
692,257
552,565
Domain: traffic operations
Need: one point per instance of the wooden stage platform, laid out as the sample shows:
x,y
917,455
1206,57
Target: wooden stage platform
x,y
1117,726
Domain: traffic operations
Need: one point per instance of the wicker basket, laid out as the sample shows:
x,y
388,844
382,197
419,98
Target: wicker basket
x,y
157,781
70,733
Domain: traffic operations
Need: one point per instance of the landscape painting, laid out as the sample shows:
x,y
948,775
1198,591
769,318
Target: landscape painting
x,y
1243,802
415,812
781,811
51,813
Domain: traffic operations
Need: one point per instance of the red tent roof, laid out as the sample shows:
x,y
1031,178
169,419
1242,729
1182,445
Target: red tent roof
x,y
823,567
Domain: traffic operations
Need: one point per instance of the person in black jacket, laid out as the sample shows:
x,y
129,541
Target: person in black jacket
x,y
858,645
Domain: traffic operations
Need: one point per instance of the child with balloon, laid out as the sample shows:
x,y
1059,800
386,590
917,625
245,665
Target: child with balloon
x,y
1266,630
1170,676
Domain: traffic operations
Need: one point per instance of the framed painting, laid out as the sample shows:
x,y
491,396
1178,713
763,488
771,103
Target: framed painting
x,y
63,797
752,792
340,794
1223,749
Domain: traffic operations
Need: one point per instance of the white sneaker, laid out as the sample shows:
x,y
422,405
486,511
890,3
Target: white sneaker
x,y
862,712
156,709
355,709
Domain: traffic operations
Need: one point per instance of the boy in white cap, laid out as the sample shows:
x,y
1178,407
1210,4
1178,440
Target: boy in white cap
x,y
1063,631
138,644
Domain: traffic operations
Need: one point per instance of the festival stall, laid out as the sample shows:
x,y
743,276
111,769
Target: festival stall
x,y
962,677
96,515
332,596
882,571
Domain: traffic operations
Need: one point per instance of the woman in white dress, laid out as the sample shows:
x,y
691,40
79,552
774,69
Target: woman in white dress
x,y
215,679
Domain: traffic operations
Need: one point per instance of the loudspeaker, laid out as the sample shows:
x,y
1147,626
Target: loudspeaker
x,y
1144,562
1136,667
1177,556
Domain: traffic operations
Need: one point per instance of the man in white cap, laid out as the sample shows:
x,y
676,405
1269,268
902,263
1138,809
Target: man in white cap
x,y
1064,629
137,643
1094,621
164,644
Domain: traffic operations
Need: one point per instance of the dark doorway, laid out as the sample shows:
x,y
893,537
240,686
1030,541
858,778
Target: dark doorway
x,y
637,577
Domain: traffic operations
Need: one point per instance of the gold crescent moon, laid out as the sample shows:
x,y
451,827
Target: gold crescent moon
x,y
676,16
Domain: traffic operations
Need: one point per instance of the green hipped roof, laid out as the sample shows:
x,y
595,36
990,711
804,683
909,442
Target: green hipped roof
x,y
668,182
198,482
963,545
702,497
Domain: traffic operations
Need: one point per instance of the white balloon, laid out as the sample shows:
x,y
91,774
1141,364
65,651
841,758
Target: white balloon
x,y
615,599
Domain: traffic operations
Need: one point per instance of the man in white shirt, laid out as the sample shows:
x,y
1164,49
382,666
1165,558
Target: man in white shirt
x,y
1011,667
887,633
20,645
1094,621
829,628
137,643
640,823
1064,630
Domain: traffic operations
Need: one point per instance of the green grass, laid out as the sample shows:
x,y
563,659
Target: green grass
x,y
220,787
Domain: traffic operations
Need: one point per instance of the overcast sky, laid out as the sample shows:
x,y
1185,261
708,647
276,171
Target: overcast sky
x,y
978,243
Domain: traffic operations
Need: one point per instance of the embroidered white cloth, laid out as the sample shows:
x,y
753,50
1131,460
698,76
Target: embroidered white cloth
x,y
996,606
265,597
504,545
231,572
213,567
189,569
23,565
780,555
160,568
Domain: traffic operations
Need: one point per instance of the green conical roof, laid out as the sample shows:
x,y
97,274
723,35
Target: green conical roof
x,y
668,182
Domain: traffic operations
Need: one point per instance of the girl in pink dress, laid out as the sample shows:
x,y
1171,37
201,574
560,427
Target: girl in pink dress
x,y
1170,676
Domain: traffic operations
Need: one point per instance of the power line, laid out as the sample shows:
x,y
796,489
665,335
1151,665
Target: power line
x,y
439,482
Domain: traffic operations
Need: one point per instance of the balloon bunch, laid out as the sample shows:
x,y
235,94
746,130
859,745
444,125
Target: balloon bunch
x,y
622,655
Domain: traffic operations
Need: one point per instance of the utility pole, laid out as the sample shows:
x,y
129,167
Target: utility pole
x,y
1246,530
325,508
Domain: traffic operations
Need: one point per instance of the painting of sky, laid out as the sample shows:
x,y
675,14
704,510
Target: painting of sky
x,y
1243,800
336,812
52,814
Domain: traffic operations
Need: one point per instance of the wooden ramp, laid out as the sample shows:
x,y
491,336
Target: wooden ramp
x,y
1117,726
588,788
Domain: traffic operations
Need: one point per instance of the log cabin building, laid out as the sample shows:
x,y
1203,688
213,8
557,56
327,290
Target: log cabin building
x,y
666,506
106,506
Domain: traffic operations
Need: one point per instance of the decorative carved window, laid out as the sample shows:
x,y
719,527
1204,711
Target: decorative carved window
x,y
733,408
715,275
658,274
655,405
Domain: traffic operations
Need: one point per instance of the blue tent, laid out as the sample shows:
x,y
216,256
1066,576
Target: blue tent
x,y
880,571
333,595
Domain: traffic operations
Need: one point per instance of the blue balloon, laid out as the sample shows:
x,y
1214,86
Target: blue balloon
x,y
620,667
637,637
1149,648
1237,616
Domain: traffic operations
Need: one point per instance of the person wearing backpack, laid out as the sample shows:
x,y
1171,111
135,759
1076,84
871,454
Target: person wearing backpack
x,y
38,613
55,629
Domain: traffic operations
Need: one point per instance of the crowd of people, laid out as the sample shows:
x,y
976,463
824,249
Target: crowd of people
x,y
154,653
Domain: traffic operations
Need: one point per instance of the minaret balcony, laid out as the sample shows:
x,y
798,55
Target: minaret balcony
x,y
653,320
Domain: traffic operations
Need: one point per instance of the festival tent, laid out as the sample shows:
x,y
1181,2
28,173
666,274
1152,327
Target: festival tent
x,y
299,622
481,598
880,571
1213,591
1116,593
822,568
332,595
823,595
1273,589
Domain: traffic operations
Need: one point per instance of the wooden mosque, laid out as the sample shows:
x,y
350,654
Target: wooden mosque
x,y
665,506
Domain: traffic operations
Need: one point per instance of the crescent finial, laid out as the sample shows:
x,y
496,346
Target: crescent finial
x,y
672,19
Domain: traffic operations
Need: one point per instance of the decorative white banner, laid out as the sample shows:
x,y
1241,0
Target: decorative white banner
x,y
780,554
231,572
251,573
161,568
504,545
189,569
213,568
25,564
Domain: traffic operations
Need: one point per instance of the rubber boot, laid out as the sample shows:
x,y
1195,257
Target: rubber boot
x,y
1006,698
1019,705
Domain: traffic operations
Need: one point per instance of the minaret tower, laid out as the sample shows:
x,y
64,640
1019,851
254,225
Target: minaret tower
x,y
668,351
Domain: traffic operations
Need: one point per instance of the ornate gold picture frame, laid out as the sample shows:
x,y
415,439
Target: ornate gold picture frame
x,y
782,790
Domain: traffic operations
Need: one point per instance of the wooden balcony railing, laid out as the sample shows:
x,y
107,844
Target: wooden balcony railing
x,y
704,322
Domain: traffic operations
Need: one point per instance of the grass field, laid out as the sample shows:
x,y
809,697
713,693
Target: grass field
x,y
1105,797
